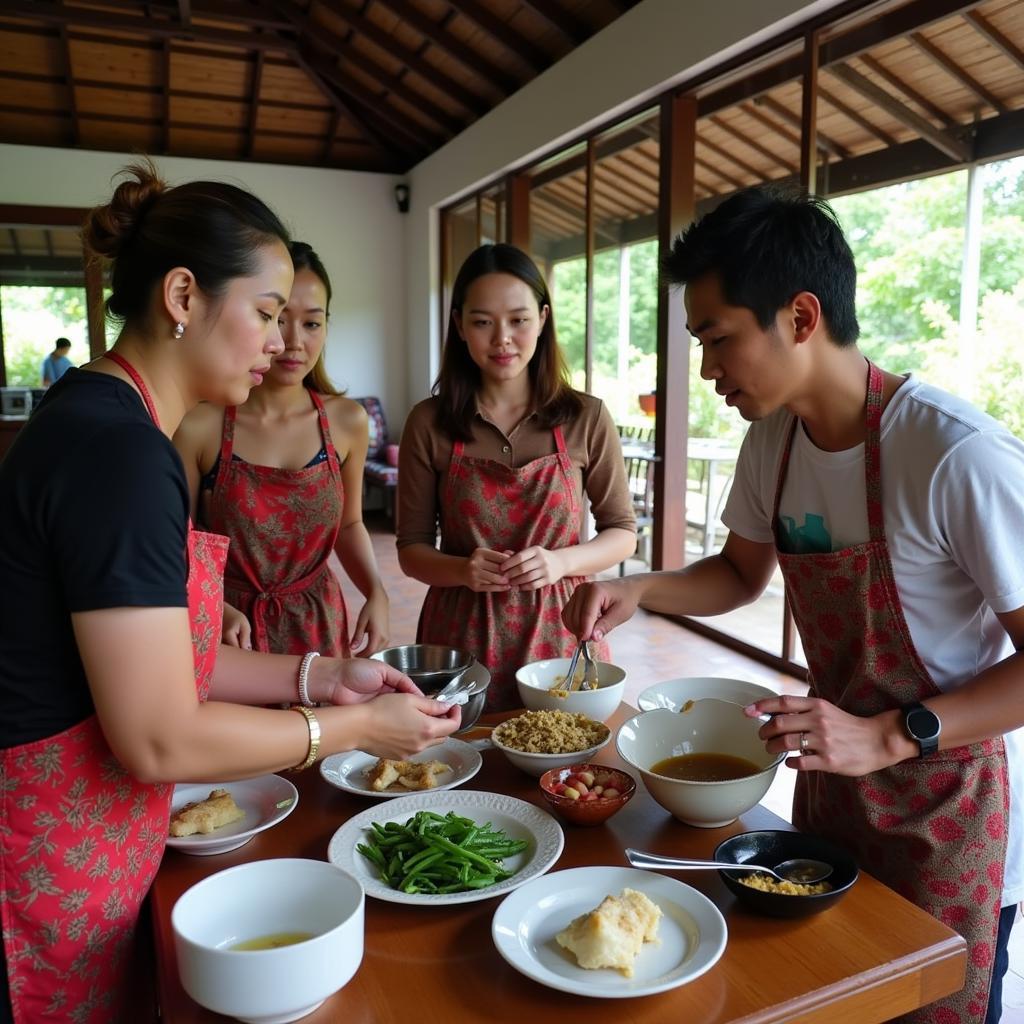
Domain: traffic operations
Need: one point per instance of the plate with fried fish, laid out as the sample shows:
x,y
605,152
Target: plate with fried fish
x,y
215,817
442,766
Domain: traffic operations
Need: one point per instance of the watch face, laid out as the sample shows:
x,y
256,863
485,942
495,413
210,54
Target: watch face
x,y
923,724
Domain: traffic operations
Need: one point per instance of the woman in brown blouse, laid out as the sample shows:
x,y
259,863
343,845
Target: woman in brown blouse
x,y
499,461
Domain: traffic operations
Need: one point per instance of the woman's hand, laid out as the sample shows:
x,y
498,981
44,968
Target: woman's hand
x,y
483,571
371,631
532,568
595,609
355,681
236,631
824,738
402,724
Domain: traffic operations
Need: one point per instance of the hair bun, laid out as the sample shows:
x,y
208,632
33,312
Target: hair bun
x,y
107,229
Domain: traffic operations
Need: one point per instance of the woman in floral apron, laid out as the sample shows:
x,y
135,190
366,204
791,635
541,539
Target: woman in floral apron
x,y
501,460
111,605
253,479
907,592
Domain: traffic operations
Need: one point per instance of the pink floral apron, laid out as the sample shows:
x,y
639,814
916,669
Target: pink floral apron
x,y
283,524
491,505
81,839
933,829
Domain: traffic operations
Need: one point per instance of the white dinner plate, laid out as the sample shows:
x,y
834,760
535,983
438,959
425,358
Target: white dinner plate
x,y
692,932
266,800
516,818
346,771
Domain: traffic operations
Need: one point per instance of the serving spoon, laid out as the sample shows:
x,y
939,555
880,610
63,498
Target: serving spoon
x,y
801,870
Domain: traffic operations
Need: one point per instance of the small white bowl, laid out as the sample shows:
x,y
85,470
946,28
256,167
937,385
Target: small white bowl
x,y
674,693
536,679
537,764
708,727
262,898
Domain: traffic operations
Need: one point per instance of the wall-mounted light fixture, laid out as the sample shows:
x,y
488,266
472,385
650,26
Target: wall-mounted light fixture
x,y
402,198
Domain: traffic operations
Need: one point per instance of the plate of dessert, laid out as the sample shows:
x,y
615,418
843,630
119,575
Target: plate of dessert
x,y
609,932
442,766
215,817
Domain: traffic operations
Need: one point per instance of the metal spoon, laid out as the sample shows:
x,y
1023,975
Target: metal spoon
x,y
590,676
567,685
801,870
455,691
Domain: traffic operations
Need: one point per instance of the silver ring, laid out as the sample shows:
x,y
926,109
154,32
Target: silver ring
x,y
804,742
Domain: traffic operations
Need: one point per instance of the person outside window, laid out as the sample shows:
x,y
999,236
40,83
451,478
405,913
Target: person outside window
x,y
56,364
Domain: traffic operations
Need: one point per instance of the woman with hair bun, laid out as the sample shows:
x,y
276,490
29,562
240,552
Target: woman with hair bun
x,y
281,475
500,461
113,683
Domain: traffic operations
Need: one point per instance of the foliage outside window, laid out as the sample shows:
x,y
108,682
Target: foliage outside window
x,y
34,318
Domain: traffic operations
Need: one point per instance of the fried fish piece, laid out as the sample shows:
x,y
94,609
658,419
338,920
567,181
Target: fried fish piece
x,y
409,774
613,933
203,816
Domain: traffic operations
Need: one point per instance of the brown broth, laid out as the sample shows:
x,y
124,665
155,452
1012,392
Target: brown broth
x,y
705,767
272,941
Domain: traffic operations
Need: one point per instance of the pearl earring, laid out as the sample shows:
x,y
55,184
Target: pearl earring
x,y
179,330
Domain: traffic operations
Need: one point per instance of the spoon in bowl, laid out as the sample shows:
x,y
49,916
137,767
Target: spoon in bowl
x,y
800,870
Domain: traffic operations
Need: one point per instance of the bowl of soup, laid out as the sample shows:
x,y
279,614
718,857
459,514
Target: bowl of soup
x,y
269,940
544,686
705,765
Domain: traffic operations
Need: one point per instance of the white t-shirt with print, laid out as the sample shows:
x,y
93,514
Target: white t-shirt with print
x,y
953,505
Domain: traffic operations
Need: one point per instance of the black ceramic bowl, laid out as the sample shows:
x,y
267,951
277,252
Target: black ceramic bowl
x,y
770,848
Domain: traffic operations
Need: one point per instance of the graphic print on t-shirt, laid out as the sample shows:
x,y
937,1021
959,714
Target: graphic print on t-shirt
x,y
810,539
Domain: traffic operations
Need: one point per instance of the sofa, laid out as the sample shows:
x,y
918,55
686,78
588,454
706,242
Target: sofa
x,y
379,476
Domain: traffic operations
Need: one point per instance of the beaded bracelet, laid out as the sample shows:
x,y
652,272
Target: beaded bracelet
x,y
314,737
307,660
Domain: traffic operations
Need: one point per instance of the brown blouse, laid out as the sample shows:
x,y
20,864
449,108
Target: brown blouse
x,y
591,440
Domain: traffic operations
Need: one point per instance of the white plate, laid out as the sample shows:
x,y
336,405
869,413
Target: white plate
x,y
516,818
692,932
266,800
674,693
346,770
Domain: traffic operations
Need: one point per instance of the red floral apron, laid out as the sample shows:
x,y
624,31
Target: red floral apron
x,y
933,829
283,524
491,505
81,839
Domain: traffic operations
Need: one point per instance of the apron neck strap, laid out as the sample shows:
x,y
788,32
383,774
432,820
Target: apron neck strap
x,y
136,377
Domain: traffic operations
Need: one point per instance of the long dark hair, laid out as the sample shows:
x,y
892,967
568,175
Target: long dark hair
x,y
304,257
459,380
148,228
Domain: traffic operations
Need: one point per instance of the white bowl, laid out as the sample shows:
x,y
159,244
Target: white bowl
x,y
708,727
537,764
536,679
269,897
674,693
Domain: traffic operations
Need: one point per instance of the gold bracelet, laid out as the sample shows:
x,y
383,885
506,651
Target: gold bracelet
x,y
314,737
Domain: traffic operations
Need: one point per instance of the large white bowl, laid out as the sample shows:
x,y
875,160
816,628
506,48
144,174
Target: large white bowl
x,y
674,693
708,727
536,679
268,897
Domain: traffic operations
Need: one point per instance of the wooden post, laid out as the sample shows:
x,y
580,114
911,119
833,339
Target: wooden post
x,y
94,305
517,211
588,245
809,114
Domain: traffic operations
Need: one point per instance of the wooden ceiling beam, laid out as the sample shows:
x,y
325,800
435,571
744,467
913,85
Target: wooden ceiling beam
x,y
165,94
48,238
890,77
69,79
950,66
254,104
787,165
452,45
15,244
728,154
825,144
208,10
363,26
185,12
501,32
941,139
558,17
718,172
1007,47
855,116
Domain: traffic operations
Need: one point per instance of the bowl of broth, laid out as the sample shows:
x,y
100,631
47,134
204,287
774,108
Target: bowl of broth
x,y
705,765
269,941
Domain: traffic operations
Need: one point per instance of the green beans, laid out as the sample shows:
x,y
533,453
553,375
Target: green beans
x,y
434,854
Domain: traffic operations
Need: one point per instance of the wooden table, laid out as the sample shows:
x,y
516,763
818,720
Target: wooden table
x,y
871,957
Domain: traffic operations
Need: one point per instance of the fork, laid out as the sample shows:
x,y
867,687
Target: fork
x,y
590,677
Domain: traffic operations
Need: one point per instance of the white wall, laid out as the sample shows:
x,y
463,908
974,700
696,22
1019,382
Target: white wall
x,y
350,218
655,44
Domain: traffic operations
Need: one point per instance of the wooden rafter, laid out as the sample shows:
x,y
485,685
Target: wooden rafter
x,y
254,104
950,66
855,116
568,24
825,144
501,32
69,77
1006,46
717,171
944,140
915,97
728,154
772,154
165,90
185,12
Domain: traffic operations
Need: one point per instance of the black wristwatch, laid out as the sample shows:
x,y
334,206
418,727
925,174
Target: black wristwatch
x,y
923,726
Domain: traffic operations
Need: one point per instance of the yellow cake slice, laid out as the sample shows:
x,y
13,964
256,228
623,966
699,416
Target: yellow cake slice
x,y
613,934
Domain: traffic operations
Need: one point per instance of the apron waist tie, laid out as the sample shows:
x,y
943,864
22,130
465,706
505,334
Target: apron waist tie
x,y
265,601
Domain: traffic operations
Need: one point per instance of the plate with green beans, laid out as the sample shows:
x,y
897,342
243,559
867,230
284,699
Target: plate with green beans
x,y
436,849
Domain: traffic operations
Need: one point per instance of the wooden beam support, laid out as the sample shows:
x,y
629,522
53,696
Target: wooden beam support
x,y
944,140
533,57
718,172
588,235
95,315
808,121
166,95
787,165
559,18
1005,46
855,116
185,12
728,154
876,67
950,66
517,210
69,79
825,144
255,85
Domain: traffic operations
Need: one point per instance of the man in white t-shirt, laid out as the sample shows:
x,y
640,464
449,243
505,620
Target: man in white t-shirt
x,y
891,508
